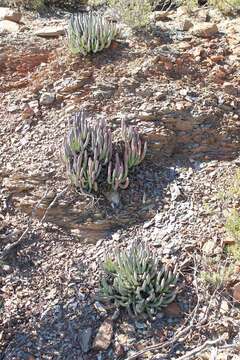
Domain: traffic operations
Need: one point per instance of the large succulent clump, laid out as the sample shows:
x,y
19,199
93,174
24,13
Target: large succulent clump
x,y
90,33
92,157
139,282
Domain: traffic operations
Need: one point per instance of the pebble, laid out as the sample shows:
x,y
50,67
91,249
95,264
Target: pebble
x,y
47,98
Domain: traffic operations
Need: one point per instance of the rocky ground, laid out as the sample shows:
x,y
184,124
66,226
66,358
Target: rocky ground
x,y
180,85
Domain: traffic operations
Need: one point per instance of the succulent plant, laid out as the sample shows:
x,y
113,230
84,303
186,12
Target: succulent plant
x,y
86,171
102,141
89,151
139,282
119,176
90,33
78,136
135,150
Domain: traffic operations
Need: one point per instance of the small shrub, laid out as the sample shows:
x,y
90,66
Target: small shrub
x,y
217,278
92,158
233,225
139,282
225,6
234,251
37,4
90,33
234,190
134,13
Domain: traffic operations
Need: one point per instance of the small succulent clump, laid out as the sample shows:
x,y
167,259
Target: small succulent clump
x,y
91,157
139,282
90,33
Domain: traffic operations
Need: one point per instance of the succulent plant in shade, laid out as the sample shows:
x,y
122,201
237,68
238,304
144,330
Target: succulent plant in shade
x,y
138,281
90,33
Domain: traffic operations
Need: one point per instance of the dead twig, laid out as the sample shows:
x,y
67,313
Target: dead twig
x,y
11,248
198,350
56,198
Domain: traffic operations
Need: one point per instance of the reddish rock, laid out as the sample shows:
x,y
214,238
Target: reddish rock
x,y
236,292
173,309
228,241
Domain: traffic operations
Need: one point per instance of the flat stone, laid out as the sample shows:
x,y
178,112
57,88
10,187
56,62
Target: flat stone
x,y
104,336
50,32
10,14
8,26
69,85
205,30
84,338
228,241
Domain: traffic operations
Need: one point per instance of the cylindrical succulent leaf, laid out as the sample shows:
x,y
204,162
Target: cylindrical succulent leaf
x,y
142,293
90,33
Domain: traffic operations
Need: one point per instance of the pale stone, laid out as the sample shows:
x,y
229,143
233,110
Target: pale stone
x,y
47,99
208,247
104,336
8,26
224,308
